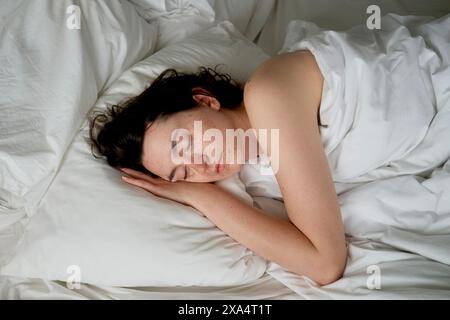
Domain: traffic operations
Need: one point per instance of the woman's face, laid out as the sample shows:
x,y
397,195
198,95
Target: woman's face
x,y
161,151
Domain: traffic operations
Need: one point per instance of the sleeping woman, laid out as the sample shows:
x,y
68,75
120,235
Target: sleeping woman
x,y
285,93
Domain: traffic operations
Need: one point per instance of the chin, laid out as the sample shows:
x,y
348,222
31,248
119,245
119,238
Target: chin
x,y
229,171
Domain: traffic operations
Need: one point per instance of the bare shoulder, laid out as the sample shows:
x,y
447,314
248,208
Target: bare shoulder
x,y
296,73
286,62
293,77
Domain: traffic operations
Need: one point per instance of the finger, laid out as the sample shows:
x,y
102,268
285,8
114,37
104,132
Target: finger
x,y
137,174
130,171
139,183
147,186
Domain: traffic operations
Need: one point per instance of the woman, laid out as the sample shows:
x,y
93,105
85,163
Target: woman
x,y
285,94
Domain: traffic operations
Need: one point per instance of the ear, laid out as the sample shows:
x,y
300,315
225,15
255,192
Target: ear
x,y
202,96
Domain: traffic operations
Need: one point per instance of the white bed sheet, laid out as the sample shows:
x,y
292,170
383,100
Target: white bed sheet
x,y
248,16
264,288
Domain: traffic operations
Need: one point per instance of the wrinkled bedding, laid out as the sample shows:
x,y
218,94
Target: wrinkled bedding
x,y
51,74
386,96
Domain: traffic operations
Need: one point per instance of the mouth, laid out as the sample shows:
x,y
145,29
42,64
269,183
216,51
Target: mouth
x,y
219,168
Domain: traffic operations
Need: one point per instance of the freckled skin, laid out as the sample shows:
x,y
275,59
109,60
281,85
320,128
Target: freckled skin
x,y
157,143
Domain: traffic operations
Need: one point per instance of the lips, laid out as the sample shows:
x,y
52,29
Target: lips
x,y
219,168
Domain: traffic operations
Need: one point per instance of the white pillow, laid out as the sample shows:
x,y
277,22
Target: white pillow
x,y
51,75
123,236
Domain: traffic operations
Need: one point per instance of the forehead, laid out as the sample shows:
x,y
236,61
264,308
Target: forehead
x,y
156,156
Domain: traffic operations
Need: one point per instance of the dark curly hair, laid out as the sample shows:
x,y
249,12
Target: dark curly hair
x,y
118,133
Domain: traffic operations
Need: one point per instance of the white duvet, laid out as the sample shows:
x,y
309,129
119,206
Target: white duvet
x,y
386,102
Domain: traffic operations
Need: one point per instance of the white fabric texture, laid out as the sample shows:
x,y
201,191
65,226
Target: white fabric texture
x,y
176,19
395,111
386,96
247,16
265,287
337,15
51,76
396,239
153,9
404,235
123,236
174,28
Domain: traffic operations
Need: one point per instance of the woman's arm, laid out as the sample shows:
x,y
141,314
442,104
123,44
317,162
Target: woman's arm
x,y
285,94
271,237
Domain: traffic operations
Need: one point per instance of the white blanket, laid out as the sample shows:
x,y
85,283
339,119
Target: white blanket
x,y
386,102
386,96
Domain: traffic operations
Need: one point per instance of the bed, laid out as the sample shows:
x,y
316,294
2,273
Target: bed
x,y
399,229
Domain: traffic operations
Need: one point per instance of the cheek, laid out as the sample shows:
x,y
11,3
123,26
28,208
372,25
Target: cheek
x,y
235,153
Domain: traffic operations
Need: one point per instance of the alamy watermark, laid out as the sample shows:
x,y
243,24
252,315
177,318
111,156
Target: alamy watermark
x,y
374,20
74,277
73,21
189,149
374,280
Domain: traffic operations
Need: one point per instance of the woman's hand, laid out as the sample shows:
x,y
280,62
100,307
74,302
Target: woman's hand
x,y
186,193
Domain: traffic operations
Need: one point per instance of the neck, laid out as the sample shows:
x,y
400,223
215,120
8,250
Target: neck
x,y
240,120
240,117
